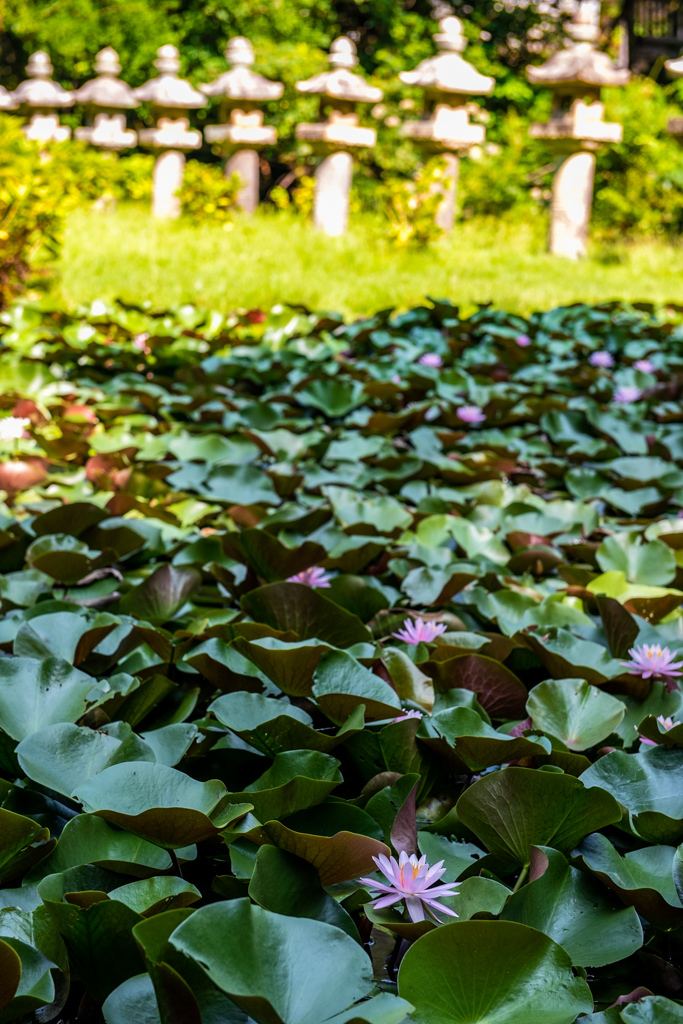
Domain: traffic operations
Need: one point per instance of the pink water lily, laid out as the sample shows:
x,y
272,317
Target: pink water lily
x,y
470,414
644,365
411,880
419,631
667,723
431,359
313,577
408,714
627,393
602,359
652,661
523,340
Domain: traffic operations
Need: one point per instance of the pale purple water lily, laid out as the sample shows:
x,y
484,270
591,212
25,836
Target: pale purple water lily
x,y
668,723
644,365
523,340
396,379
652,661
602,359
470,414
431,359
12,427
419,631
626,393
411,880
408,714
313,577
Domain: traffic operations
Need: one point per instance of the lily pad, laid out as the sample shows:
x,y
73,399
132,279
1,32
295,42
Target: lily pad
x,y
159,803
575,712
575,911
447,976
517,808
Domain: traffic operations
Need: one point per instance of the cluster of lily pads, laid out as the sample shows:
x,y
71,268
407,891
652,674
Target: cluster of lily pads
x,y
340,666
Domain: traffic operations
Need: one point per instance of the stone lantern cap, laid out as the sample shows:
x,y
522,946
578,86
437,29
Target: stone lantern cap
x,y
448,72
579,64
7,102
341,83
167,90
344,88
39,90
107,90
577,120
240,82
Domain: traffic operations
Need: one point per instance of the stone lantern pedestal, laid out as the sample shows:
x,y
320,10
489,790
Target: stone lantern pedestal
x,y
169,95
40,97
445,128
576,128
242,132
337,134
6,101
106,99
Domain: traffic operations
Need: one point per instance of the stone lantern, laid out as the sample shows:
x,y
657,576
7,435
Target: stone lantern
x,y
169,95
675,125
40,97
243,132
337,134
106,98
445,128
576,128
6,101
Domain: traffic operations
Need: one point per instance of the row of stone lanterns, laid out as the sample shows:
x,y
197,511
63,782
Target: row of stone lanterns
x,y
576,128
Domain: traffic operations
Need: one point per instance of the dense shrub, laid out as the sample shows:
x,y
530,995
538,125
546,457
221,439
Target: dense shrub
x,y
32,211
207,194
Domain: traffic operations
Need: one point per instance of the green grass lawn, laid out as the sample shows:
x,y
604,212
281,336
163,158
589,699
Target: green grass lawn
x,y
275,257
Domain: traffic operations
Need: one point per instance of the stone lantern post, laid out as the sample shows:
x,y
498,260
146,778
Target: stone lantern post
x,y
169,95
445,128
576,128
41,97
337,134
106,98
243,132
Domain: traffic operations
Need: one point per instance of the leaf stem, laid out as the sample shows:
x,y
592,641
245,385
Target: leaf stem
x,y
522,876
176,864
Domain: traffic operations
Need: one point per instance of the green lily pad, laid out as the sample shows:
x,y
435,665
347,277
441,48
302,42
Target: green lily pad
x,y
40,693
642,878
288,885
574,711
62,756
159,803
648,787
321,970
297,779
575,911
517,808
447,975
462,737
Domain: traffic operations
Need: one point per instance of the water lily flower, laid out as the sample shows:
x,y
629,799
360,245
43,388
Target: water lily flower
x,y
626,393
313,577
12,427
601,359
420,631
644,365
523,340
431,359
470,414
653,661
411,880
667,723
140,342
408,714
